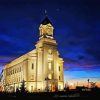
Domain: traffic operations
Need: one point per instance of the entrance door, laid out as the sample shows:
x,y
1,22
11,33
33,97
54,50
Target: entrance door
x,y
53,87
31,88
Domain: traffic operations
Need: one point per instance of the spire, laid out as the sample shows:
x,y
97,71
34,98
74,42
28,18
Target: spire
x,y
46,28
46,20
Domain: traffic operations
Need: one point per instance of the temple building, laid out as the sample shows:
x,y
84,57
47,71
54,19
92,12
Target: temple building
x,y
41,68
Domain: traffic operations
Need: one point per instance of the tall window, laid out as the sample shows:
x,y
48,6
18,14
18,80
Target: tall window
x,y
32,66
32,77
20,69
49,65
59,77
59,68
15,70
19,79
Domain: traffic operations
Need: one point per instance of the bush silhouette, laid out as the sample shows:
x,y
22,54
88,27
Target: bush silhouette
x,y
23,88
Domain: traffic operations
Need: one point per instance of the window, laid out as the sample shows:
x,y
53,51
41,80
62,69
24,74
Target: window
x,y
59,87
59,68
15,70
49,65
20,69
32,66
50,55
50,76
31,88
19,79
11,72
59,77
50,51
32,77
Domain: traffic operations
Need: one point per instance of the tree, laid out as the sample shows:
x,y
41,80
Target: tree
x,y
17,90
22,88
93,84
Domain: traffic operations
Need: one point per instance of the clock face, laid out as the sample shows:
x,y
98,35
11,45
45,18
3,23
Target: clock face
x,y
46,29
49,30
50,51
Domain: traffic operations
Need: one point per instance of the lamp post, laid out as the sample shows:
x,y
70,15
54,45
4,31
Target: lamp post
x,y
88,82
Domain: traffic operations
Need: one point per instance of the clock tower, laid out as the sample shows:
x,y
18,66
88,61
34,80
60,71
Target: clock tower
x,y
46,28
50,65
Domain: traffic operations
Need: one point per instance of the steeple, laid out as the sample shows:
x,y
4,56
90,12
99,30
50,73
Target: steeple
x,y
46,21
45,12
46,28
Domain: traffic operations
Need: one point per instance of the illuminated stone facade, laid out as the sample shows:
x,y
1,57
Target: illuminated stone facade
x,y
41,68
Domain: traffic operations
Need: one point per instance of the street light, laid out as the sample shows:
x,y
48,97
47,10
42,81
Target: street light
x,y
88,82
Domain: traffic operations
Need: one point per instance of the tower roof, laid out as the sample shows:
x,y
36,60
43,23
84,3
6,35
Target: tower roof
x,y
46,21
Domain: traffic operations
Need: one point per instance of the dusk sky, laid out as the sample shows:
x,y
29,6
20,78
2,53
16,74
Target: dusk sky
x,y
77,32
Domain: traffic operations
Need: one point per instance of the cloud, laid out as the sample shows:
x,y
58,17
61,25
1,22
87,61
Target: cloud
x,y
79,67
94,52
6,59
